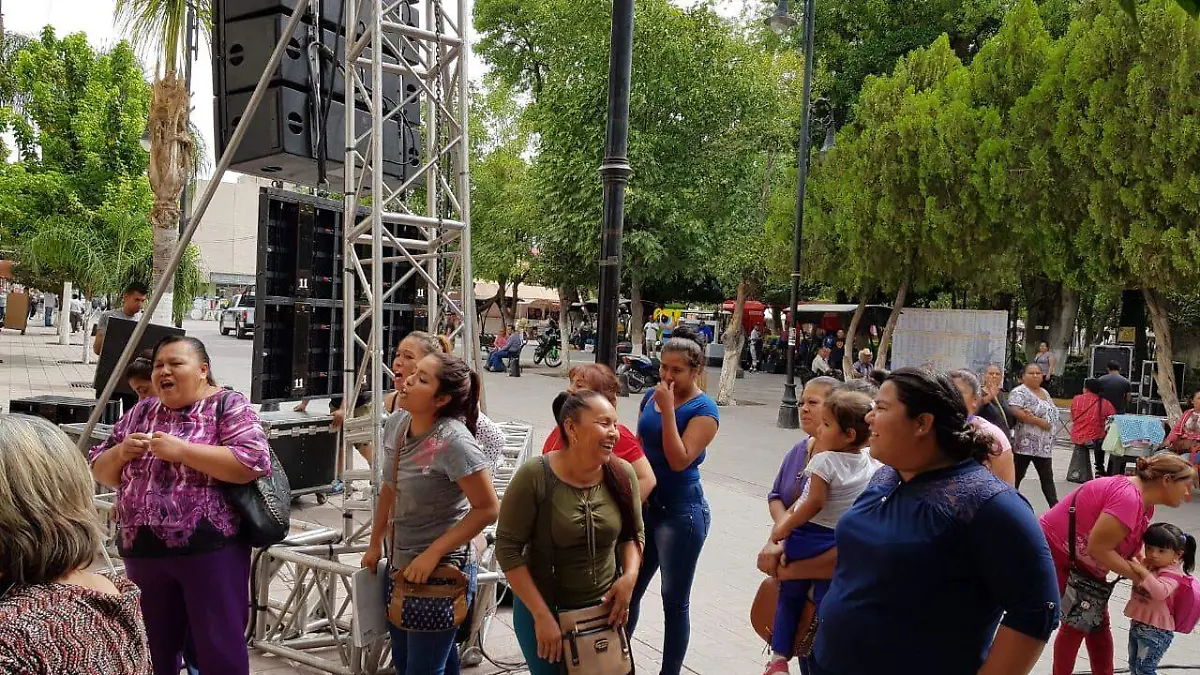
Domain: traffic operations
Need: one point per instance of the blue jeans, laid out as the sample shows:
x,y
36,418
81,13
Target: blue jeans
x,y
675,533
496,360
1147,645
527,638
420,653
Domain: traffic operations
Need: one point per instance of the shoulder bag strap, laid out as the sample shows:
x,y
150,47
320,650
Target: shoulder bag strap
x,y
548,481
1071,529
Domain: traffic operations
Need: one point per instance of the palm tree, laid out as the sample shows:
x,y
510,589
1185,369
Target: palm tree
x,y
160,27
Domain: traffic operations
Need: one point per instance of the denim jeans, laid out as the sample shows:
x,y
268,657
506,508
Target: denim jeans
x,y
496,360
435,653
523,626
1147,645
675,533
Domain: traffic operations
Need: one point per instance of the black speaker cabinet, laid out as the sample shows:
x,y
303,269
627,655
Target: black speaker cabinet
x,y
278,142
333,12
246,45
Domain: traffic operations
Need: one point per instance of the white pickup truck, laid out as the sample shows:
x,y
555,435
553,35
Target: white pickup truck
x,y
238,317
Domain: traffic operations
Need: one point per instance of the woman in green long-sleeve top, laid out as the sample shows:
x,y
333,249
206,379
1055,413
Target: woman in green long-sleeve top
x,y
569,535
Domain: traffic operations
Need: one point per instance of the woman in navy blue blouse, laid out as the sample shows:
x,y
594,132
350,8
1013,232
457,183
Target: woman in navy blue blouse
x,y
942,568
678,421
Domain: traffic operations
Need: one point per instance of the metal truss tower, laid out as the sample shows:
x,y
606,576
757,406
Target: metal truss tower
x,y
393,223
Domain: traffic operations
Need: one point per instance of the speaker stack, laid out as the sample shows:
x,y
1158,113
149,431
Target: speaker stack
x,y
298,347
279,143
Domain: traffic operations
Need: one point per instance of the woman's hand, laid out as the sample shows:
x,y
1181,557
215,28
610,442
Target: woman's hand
x,y
549,637
371,557
1043,424
421,567
769,559
780,532
664,396
134,446
168,448
618,596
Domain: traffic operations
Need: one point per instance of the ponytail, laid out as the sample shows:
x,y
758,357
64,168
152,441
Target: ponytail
x,y
1168,536
471,414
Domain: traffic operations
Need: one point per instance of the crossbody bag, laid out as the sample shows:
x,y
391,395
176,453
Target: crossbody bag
x,y
1085,600
439,604
591,646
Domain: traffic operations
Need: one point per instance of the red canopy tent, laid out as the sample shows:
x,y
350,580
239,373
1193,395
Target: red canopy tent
x,y
753,313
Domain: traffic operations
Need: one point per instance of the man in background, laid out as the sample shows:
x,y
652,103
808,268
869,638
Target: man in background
x,y
131,308
820,362
1115,388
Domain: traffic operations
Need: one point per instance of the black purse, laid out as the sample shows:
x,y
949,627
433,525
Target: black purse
x,y
264,504
1085,600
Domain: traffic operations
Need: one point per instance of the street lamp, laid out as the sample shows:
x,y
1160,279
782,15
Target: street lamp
x,y
615,172
780,22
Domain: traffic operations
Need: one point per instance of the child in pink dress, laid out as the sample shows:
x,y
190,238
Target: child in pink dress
x,y
1170,554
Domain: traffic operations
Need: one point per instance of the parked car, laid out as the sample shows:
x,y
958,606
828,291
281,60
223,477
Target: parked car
x,y
238,317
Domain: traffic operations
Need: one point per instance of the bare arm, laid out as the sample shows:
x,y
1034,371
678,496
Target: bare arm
x,y
818,494
98,342
1004,466
778,510
681,451
817,567
1012,653
1026,417
1106,535
645,477
484,509
218,462
108,466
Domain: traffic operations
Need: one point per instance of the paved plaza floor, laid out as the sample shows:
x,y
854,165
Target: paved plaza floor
x,y
739,470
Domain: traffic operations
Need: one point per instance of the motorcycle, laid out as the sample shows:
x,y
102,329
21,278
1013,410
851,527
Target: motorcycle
x,y
640,371
549,348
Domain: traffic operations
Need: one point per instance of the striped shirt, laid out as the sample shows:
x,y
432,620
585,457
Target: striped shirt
x,y
160,504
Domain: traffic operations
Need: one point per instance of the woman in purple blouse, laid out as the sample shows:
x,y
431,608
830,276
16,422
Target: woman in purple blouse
x,y
168,457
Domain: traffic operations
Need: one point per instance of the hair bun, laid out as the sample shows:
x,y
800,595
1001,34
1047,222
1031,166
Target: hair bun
x,y
685,332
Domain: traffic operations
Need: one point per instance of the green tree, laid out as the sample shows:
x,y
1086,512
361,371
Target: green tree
x,y
74,207
1126,120
504,221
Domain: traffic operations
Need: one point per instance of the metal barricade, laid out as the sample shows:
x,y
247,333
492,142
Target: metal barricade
x,y
303,608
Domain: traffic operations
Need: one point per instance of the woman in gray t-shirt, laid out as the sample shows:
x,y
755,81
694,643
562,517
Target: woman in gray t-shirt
x,y
435,497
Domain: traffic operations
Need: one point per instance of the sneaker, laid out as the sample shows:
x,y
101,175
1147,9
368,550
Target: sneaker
x,y
776,667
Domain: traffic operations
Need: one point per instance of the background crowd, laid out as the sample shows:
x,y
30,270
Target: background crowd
x,y
900,494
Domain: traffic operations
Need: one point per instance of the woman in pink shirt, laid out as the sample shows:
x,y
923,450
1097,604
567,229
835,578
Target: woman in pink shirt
x,y
1111,517
1170,556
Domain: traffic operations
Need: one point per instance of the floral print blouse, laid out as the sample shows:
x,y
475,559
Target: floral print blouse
x,y
1027,438
160,504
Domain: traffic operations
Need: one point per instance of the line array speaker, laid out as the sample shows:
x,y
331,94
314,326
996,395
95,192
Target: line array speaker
x,y
279,143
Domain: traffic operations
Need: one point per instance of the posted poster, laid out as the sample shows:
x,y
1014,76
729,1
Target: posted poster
x,y
949,339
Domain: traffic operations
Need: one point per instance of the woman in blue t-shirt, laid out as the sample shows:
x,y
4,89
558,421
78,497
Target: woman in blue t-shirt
x,y
678,421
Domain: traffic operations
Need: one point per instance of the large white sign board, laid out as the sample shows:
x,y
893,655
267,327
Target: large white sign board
x,y
949,339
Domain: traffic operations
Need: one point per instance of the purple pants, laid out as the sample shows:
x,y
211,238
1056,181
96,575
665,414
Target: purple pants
x,y
205,595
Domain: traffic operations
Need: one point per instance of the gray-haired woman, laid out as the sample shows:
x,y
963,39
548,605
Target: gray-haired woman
x,y
55,616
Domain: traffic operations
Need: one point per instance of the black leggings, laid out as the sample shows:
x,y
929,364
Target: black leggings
x,y
1045,474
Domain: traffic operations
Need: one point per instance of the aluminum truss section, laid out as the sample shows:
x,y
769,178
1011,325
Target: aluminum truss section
x,y
424,219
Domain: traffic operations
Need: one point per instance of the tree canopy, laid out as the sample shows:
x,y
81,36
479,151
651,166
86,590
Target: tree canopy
x,y
74,207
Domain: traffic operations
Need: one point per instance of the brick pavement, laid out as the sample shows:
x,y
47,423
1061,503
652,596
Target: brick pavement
x,y
737,473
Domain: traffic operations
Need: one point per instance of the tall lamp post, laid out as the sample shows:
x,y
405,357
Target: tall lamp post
x,y
781,22
615,173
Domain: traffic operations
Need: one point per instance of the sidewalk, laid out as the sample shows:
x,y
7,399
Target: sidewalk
x,y
737,473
